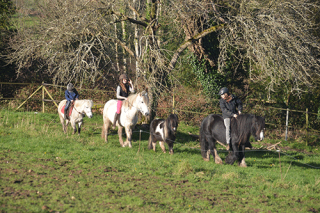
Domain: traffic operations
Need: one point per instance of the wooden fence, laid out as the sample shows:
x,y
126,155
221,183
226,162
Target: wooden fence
x,y
99,101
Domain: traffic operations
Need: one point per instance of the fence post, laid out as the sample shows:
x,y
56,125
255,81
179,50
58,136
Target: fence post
x,y
287,123
42,98
29,97
50,96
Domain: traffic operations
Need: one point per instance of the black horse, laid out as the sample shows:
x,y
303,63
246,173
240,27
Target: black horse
x,y
212,129
163,131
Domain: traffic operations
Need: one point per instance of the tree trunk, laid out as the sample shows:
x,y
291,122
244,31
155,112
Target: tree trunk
x,y
116,44
136,42
124,37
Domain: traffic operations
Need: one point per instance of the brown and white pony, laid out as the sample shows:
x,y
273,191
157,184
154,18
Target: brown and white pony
x,y
163,131
128,118
80,109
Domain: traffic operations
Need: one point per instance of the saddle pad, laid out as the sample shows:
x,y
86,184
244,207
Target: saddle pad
x,y
70,109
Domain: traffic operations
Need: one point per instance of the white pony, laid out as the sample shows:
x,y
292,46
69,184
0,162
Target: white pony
x,y
128,117
80,109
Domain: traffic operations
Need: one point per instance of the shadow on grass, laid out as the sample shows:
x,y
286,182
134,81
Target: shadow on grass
x,y
290,158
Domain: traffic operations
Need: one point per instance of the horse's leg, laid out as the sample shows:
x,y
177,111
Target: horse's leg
x,y
209,146
234,154
242,162
120,135
150,142
217,158
65,126
129,137
154,144
170,145
79,127
161,143
204,144
62,122
73,124
214,152
205,152
105,129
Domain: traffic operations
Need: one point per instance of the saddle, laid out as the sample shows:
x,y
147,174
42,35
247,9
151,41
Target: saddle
x,y
69,110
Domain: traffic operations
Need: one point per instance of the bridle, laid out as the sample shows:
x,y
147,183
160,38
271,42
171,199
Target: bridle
x,y
139,108
74,107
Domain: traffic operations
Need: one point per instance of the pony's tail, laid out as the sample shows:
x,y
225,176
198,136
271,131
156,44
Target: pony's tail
x,y
150,142
204,146
103,132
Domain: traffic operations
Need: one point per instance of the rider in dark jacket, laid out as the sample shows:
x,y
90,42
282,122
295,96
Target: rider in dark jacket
x,y
231,106
71,94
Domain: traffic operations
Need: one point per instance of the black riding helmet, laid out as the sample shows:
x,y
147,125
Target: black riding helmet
x,y
223,90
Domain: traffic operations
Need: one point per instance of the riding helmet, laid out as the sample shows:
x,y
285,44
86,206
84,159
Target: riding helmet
x,y
123,76
70,87
223,90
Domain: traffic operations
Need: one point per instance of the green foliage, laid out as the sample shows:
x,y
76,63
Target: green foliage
x,y
211,80
185,74
7,9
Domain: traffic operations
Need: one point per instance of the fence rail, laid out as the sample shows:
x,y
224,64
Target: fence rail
x,y
173,108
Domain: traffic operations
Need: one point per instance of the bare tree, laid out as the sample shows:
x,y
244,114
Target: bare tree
x,y
272,39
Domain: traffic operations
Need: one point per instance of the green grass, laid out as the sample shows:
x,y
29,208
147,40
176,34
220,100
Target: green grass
x,y
44,170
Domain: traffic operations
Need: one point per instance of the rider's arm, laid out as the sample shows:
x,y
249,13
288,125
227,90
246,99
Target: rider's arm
x,y
77,94
131,87
67,95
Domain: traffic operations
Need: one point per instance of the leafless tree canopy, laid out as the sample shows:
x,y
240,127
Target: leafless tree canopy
x,y
275,39
76,39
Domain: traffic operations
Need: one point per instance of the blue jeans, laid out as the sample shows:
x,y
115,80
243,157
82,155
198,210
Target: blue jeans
x,y
67,106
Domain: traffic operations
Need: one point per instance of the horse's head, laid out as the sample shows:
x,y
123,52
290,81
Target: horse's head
x,y
258,126
173,121
142,103
87,108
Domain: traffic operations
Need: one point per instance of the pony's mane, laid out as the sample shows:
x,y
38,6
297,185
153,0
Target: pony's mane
x,y
243,124
85,100
131,98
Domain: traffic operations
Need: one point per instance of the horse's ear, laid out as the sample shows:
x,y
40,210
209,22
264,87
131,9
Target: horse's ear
x,y
177,117
144,93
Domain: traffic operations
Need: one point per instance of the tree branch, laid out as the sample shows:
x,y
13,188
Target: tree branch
x,y
191,41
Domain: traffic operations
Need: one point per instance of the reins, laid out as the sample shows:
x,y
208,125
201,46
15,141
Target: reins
x,y
131,105
74,107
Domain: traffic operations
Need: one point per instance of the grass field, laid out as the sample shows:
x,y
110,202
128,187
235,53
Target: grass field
x,y
44,170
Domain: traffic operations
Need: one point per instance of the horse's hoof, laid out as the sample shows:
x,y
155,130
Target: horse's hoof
x,y
219,162
171,152
206,159
228,147
243,165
